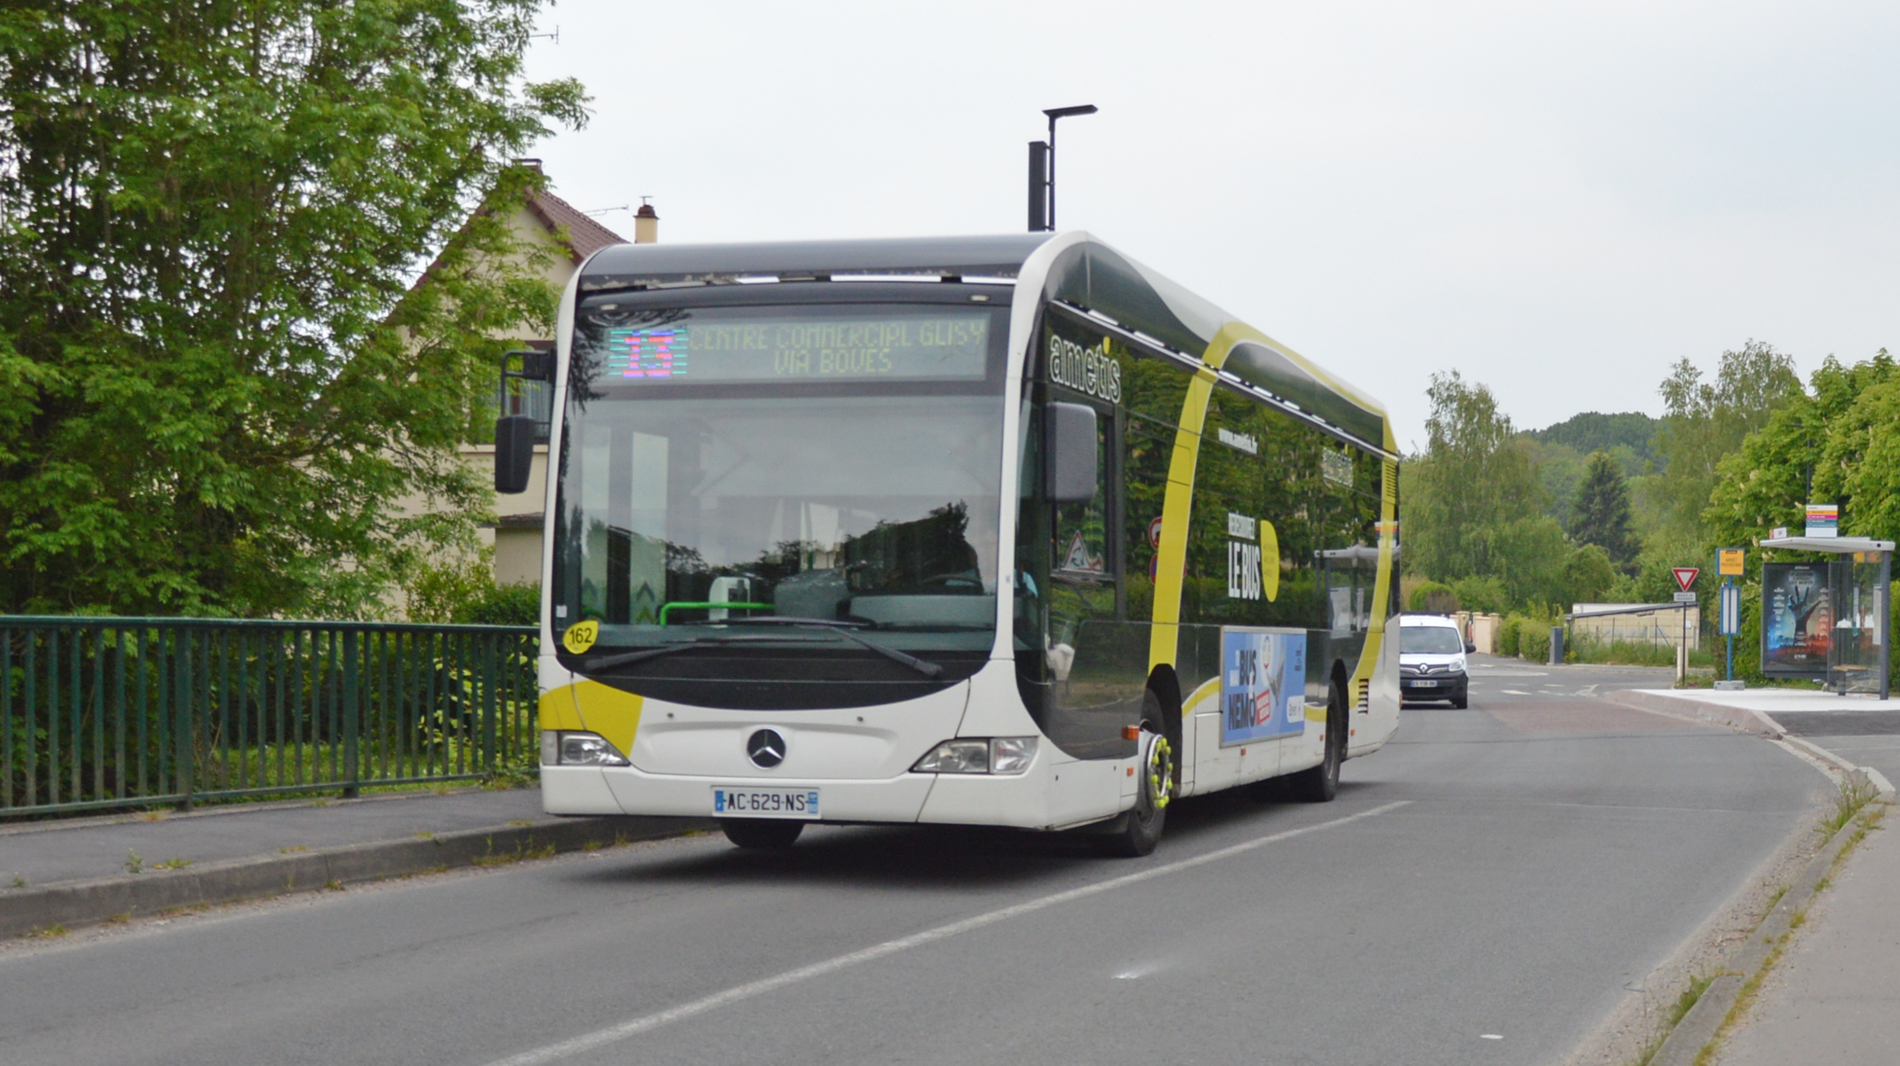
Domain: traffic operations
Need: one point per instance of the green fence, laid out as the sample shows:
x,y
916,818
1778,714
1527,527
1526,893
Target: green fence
x,y
121,712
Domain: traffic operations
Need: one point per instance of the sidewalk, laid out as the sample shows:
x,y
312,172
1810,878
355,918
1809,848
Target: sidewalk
x,y
1835,995
82,871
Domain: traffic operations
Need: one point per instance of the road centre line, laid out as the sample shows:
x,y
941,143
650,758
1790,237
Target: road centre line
x,y
615,1033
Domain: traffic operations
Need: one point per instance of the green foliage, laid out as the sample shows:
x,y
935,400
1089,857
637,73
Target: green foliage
x,y
1469,496
1708,421
218,371
1588,575
1533,640
1509,633
1630,433
1432,597
463,591
1601,517
1528,556
1482,595
504,605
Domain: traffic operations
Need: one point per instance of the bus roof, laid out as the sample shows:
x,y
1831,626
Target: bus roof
x,y
1084,272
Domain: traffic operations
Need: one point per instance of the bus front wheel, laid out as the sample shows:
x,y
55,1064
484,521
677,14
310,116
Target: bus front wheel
x,y
1135,832
768,833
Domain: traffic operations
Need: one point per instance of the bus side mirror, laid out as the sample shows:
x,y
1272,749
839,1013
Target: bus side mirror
x,y
524,396
514,453
1072,453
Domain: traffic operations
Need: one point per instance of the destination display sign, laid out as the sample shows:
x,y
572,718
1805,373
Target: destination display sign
x,y
918,347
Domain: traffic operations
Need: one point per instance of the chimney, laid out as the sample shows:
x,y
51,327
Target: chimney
x,y
646,223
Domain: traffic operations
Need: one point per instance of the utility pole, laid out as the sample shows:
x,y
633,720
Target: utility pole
x,y
1042,170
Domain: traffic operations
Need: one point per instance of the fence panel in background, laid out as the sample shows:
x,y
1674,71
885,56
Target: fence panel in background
x,y
119,712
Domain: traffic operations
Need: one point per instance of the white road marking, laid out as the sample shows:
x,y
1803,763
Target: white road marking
x,y
1490,1036
1515,692
614,1033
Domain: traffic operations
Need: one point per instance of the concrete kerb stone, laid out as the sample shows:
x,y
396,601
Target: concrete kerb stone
x,y
79,903
1698,1028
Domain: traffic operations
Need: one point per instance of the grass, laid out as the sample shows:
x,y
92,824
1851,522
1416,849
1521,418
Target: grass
x,y
133,863
171,864
1855,794
50,932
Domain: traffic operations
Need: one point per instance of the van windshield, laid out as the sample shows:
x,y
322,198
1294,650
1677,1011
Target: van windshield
x,y
1429,640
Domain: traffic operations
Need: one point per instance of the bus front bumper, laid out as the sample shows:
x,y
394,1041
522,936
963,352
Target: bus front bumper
x,y
1022,801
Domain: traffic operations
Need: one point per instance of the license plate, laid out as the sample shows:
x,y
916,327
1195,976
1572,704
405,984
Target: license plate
x,y
1424,684
765,802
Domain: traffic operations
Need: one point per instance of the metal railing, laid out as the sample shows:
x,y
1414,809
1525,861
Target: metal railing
x,y
100,713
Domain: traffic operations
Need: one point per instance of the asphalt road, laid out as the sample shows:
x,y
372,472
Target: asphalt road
x,y
1483,891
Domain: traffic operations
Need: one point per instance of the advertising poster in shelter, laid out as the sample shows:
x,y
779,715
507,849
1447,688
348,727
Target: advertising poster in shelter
x,y
1263,683
1796,619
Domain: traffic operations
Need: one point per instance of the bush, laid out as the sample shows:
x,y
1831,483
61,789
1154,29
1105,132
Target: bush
x,y
1508,633
1533,641
502,605
1481,595
1434,598
463,591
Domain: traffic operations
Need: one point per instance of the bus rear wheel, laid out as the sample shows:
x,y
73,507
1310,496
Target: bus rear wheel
x,y
764,833
1319,784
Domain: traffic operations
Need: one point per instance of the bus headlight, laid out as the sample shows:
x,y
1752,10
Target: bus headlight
x,y
562,748
994,755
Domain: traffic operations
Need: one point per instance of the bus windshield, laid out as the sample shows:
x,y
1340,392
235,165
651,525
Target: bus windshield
x,y
831,463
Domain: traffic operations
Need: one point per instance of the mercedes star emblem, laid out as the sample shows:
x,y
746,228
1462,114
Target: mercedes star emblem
x,y
766,747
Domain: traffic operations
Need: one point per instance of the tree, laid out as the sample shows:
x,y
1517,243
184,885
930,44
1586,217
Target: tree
x,y
1588,575
1704,422
1602,512
1840,441
1468,495
217,370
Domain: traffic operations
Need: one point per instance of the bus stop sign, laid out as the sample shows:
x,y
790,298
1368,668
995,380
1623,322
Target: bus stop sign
x,y
1685,576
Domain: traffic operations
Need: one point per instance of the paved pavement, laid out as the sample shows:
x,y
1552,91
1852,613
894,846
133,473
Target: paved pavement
x,y
35,854
1835,995
1486,890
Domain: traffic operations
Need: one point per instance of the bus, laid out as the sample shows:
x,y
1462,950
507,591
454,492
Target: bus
x,y
1002,531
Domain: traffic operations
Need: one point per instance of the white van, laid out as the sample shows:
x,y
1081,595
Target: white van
x,y
1432,660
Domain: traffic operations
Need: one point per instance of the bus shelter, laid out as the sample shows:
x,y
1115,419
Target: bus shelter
x,y
1847,612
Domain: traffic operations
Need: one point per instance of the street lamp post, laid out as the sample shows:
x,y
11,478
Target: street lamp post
x,y
1042,170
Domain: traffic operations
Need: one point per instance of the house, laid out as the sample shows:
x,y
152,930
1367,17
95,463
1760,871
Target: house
x,y
547,220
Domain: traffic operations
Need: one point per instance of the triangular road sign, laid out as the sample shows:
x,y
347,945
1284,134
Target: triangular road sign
x,y
1685,575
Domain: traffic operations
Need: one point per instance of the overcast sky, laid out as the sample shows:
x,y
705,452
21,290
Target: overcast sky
x,y
1558,200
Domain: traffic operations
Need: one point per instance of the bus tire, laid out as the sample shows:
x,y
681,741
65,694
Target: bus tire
x,y
1319,784
762,833
1135,832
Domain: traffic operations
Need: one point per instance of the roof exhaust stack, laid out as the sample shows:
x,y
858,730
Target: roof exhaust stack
x,y
646,223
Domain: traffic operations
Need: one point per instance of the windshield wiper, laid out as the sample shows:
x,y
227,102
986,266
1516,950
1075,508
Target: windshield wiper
x,y
844,629
628,658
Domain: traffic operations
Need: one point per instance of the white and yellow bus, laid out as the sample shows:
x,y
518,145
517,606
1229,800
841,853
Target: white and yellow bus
x,y
1004,531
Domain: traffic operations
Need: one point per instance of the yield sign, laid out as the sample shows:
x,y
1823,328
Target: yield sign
x,y
1685,575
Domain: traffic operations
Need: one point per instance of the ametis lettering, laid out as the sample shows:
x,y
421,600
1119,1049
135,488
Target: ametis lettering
x,y
1090,370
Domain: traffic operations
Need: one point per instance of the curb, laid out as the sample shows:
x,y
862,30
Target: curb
x,y
1684,707
78,903
1698,1028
